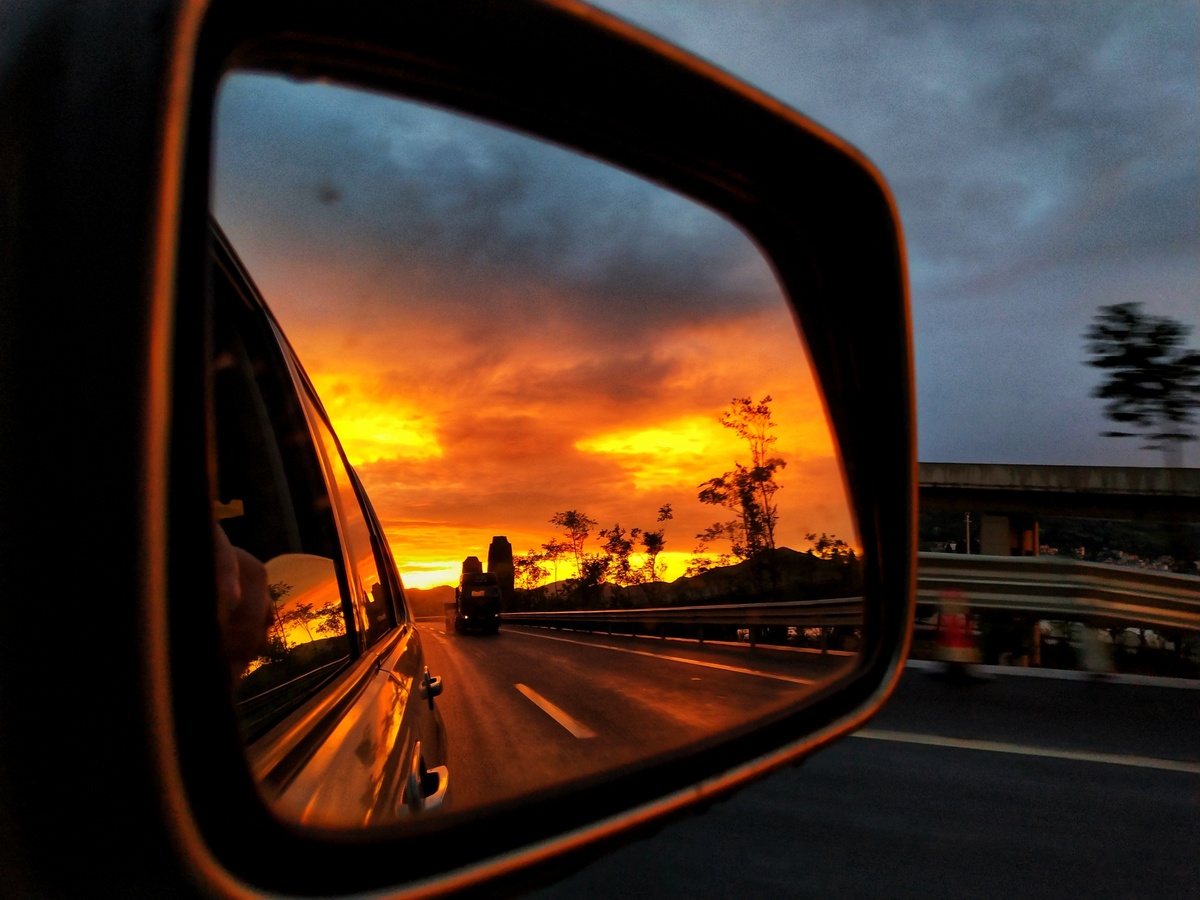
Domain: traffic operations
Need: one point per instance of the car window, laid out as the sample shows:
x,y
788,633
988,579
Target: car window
x,y
271,501
374,615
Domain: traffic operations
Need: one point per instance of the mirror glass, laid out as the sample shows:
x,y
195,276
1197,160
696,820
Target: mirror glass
x,y
587,427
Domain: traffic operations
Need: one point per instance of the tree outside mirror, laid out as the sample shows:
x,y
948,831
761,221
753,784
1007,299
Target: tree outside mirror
x,y
572,396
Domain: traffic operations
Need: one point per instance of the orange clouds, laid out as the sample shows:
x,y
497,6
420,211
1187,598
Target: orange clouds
x,y
501,439
501,329
372,428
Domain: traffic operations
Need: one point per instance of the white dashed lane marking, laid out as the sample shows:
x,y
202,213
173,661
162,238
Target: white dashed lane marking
x,y
678,659
577,728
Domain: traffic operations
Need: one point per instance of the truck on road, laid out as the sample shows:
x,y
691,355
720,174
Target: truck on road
x,y
477,600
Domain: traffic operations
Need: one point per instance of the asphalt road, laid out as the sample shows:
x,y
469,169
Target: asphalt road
x,y
1020,787
529,708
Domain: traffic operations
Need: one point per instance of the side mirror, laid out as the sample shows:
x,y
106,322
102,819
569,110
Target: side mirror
x,y
132,370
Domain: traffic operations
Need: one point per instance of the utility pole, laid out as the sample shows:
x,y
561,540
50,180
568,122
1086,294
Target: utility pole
x,y
968,534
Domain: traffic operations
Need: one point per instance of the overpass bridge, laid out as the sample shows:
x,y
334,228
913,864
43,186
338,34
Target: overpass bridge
x,y
1009,499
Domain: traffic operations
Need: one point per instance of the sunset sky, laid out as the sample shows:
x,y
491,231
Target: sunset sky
x,y
502,330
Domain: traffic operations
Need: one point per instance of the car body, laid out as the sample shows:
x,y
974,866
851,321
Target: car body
x,y
344,655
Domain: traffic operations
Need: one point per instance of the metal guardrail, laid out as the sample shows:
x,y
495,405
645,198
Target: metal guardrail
x,y
1054,587
1061,589
797,613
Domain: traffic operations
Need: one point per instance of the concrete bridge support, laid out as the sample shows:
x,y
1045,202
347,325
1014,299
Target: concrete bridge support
x,y
1015,534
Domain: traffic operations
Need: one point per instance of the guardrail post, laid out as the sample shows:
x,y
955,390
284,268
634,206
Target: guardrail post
x,y
753,636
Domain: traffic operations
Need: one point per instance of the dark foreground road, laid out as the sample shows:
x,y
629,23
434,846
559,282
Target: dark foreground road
x,y
527,708
1019,787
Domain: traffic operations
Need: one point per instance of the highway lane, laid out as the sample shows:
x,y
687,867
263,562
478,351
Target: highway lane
x,y
528,708
988,808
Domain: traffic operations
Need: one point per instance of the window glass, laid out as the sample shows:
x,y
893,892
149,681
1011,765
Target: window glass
x,y
272,502
374,613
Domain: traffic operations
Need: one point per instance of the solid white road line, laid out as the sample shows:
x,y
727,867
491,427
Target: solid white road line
x,y
1187,684
1112,759
577,728
679,659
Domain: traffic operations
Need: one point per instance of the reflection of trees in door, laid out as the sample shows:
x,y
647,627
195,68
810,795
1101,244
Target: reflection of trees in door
x,y
307,640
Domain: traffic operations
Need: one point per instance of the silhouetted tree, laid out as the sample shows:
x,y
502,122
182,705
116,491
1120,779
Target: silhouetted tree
x,y
749,491
617,546
554,551
278,590
593,572
330,620
701,562
301,614
829,546
528,569
576,526
653,543
276,651
1152,382
752,423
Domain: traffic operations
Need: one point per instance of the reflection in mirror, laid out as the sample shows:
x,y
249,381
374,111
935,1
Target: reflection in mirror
x,y
584,418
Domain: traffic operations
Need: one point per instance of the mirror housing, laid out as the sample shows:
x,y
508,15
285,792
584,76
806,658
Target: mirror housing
x,y
108,155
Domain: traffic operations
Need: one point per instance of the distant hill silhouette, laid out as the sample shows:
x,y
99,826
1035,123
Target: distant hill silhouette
x,y
429,601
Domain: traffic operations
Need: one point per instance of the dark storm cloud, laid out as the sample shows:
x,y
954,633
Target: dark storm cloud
x,y
471,214
1055,108
630,383
1045,158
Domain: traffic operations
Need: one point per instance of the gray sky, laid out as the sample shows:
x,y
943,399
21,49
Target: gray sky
x,y
1045,159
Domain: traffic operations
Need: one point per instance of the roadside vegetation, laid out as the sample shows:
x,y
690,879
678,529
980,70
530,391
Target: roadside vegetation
x,y
586,566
